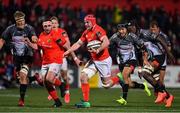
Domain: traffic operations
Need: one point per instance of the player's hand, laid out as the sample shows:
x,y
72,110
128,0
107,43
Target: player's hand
x,y
34,39
145,62
77,61
26,40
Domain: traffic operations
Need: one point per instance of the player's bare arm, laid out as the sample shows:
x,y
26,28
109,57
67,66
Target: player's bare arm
x,y
1,43
75,58
105,44
34,39
73,48
32,45
67,47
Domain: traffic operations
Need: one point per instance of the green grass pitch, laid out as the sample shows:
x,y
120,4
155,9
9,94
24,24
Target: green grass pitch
x,y
102,100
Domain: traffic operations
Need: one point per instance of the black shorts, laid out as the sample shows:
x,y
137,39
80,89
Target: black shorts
x,y
20,60
129,63
160,59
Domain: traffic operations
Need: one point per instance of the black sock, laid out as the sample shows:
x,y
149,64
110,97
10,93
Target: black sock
x,y
62,88
23,88
138,85
158,88
155,90
125,91
121,83
58,102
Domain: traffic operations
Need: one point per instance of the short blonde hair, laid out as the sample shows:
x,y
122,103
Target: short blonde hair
x,y
19,15
54,18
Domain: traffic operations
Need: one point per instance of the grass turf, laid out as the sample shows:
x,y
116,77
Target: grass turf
x,y
101,100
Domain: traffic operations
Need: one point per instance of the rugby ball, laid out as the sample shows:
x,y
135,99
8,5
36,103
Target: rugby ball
x,y
95,44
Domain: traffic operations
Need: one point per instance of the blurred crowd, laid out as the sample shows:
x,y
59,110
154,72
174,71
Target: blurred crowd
x,y
71,19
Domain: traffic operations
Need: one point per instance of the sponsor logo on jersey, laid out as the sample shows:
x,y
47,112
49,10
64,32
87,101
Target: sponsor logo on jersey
x,y
49,40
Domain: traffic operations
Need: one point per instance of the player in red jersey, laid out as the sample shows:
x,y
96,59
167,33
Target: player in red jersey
x,y
52,45
64,87
97,43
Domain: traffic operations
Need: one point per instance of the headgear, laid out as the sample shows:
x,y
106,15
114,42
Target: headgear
x,y
119,26
90,18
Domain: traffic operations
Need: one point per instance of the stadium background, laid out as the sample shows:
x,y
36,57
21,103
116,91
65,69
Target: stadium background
x,y
108,13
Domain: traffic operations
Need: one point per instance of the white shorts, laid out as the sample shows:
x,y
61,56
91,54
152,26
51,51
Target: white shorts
x,y
54,67
64,65
103,67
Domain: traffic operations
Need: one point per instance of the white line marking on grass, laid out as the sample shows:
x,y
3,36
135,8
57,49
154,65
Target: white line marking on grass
x,y
10,95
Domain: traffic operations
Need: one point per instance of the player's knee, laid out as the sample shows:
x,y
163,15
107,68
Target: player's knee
x,y
24,69
64,76
23,78
64,73
23,74
125,77
126,72
84,77
49,77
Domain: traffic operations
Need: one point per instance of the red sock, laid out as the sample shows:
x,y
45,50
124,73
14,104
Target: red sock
x,y
53,94
85,91
57,82
115,79
67,86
